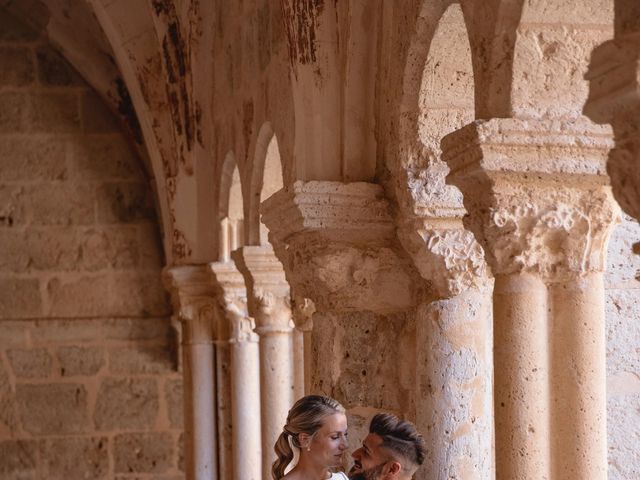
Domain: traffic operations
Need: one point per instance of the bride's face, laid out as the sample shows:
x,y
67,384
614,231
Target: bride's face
x,y
329,444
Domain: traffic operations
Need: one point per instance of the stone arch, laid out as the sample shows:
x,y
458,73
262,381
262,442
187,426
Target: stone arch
x,y
230,209
266,179
438,97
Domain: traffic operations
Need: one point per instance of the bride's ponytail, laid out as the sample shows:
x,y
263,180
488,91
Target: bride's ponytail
x,y
284,454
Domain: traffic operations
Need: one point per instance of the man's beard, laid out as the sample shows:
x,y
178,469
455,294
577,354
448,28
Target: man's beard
x,y
371,474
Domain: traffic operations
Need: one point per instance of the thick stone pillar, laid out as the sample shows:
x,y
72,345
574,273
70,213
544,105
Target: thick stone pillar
x,y
454,377
245,372
614,97
540,205
269,304
194,299
338,246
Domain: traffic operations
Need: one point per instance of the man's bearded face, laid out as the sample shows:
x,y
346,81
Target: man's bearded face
x,y
369,474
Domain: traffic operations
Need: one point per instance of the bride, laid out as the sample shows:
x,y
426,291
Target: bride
x,y
313,441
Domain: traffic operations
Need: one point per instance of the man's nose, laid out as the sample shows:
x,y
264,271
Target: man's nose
x,y
356,454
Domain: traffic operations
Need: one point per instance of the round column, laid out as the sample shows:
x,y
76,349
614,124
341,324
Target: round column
x,y
298,363
245,400
199,388
454,373
194,299
273,319
223,397
579,401
521,377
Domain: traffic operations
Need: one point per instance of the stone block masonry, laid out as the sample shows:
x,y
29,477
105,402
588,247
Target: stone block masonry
x,y
89,383
77,395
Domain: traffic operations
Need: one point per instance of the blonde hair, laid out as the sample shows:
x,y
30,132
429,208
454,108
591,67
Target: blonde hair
x,y
306,416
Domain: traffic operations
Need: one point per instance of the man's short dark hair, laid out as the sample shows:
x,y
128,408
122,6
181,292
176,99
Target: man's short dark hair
x,y
399,437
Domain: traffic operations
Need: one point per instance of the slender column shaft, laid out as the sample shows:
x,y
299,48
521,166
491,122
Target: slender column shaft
x,y
194,299
245,399
224,404
200,410
578,379
276,386
521,378
308,361
454,370
298,364
303,319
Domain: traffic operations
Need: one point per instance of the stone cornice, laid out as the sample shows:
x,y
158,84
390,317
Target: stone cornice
x,y
227,279
261,268
533,150
342,212
536,192
188,280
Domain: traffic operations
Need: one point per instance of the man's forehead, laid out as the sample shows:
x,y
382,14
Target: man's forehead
x,y
372,441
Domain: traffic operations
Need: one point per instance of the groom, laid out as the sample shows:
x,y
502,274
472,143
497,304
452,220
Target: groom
x,y
393,450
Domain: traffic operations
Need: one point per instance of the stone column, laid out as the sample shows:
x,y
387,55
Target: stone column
x,y
269,303
454,377
338,246
245,372
223,396
538,202
303,358
579,409
194,299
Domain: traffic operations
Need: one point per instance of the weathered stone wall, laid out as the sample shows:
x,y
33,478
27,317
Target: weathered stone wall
x,y
89,386
623,351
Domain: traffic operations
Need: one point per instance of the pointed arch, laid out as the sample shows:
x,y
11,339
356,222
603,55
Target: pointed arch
x,y
230,209
438,97
267,179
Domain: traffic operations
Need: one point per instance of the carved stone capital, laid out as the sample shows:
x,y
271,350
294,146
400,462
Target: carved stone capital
x,y
193,298
447,255
337,244
273,312
614,97
242,325
267,286
303,310
232,298
536,193
550,235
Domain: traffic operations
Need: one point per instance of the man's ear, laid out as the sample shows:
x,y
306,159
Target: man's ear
x,y
394,468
